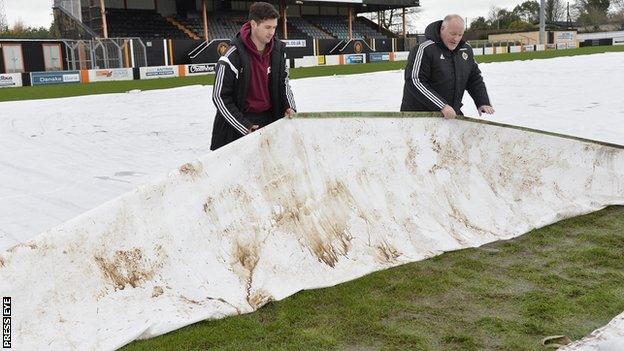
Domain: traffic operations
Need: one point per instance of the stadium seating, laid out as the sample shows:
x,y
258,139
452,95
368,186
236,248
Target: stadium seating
x,y
339,27
221,26
146,24
226,25
293,31
361,26
336,26
149,24
306,28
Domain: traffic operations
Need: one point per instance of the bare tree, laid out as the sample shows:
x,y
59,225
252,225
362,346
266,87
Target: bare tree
x,y
528,11
592,12
493,16
4,25
618,6
392,20
18,25
599,5
555,10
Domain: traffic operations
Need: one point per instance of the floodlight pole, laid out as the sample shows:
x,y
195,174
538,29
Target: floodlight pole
x,y
350,22
404,25
104,25
542,25
284,20
205,19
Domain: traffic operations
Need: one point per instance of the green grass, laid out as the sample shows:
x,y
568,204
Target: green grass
x,y
66,90
567,278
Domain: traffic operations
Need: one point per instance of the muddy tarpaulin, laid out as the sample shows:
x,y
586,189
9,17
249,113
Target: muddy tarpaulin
x,y
301,204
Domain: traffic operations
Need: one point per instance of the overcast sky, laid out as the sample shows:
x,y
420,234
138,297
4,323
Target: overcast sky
x,y
39,12
34,13
432,10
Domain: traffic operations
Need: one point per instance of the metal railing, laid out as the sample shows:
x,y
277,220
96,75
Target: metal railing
x,y
105,53
71,7
68,20
203,46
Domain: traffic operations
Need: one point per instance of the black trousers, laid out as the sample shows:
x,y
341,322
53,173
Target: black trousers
x,y
223,133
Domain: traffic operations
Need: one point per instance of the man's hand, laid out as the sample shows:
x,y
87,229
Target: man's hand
x,y
448,112
254,128
289,113
486,109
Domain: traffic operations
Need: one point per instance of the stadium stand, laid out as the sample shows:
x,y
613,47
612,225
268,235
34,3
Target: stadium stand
x,y
338,27
171,20
361,26
146,24
306,28
226,25
294,32
223,25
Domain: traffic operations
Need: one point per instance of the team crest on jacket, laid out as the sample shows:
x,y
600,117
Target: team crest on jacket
x,y
222,48
465,56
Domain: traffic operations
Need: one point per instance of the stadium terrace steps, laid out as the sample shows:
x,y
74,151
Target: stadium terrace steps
x,y
146,24
183,28
225,25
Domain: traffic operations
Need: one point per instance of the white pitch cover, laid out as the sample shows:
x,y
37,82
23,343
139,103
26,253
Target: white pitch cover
x,y
201,243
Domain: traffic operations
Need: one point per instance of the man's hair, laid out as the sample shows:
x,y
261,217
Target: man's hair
x,y
449,18
261,11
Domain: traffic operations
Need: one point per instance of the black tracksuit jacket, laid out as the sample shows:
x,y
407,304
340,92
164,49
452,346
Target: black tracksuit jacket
x,y
231,86
436,76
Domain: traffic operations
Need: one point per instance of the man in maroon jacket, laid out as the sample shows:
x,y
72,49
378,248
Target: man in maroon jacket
x,y
251,86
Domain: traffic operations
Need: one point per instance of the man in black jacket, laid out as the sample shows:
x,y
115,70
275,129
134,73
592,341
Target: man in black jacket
x,y
440,69
251,87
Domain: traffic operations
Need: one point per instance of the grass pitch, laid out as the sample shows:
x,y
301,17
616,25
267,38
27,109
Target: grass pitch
x,y
567,278
67,90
